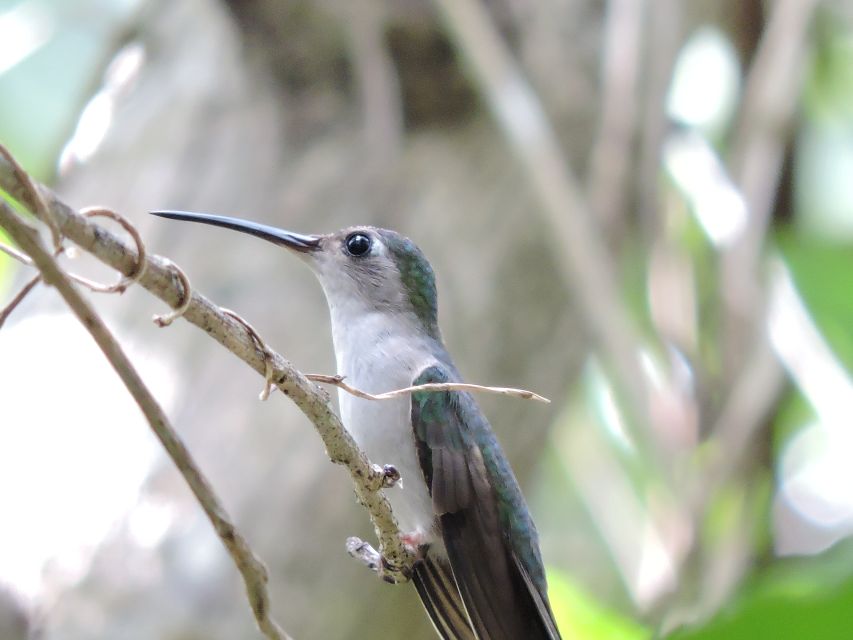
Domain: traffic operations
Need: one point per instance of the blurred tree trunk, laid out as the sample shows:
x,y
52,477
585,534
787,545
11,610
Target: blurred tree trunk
x,y
14,622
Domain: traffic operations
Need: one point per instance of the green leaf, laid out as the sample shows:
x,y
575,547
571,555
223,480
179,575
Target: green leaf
x,y
580,616
6,269
794,599
821,272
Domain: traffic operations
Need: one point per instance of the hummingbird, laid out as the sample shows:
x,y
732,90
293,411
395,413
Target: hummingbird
x,y
479,574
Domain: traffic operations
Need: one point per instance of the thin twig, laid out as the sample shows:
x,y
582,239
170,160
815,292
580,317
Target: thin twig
x,y
338,381
263,349
17,255
186,298
18,298
122,285
29,195
159,279
250,567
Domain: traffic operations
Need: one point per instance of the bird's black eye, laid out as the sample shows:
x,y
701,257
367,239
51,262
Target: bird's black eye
x,y
358,244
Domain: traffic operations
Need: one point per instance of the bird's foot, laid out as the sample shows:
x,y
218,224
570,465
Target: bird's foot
x,y
416,542
388,476
389,571
361,550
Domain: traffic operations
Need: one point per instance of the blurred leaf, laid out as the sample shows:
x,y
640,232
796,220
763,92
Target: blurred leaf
x,y
792,600
66,48
821,273
794,413
5,268
829,93
824,195
580,616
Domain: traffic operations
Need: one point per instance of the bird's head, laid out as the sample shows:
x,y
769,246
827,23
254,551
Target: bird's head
x,y
361,269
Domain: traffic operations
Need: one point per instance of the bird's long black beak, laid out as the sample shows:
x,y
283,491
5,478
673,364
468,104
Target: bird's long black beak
x,y
296,241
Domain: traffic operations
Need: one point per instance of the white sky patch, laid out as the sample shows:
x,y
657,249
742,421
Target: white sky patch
x,y
149,522
699,174
91,129
705,81
97,115
74,448
23,30
702,97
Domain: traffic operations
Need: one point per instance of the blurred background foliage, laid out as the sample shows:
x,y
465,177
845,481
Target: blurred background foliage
x,y
702,492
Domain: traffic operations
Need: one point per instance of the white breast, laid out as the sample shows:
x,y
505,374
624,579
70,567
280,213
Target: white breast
x,y
377,357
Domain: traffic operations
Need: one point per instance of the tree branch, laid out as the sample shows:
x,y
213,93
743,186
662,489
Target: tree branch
x,y
611,154
250,567
18,298
762,131
763,128
159,279
338,381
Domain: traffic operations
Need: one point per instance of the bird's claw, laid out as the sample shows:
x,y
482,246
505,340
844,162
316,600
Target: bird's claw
x,y
373,560
389,476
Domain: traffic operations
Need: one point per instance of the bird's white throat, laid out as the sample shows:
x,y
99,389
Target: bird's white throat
x,y
378,353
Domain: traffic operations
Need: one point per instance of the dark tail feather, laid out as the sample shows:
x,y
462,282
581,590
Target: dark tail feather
x,y
542,604
435,584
